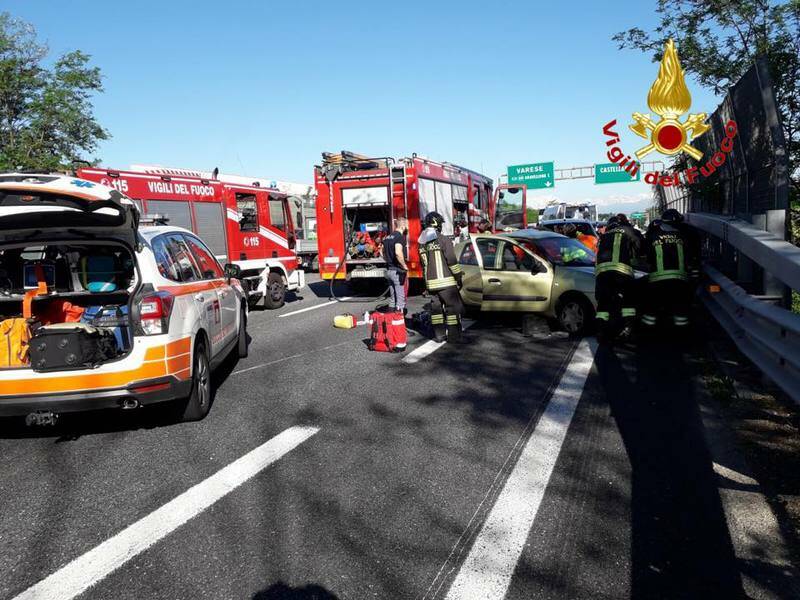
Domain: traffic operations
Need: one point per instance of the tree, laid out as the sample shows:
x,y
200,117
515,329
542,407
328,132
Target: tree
x,y
720,39
46,113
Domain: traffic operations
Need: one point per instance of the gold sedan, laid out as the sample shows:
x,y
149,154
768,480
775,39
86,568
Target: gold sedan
x,y
530,271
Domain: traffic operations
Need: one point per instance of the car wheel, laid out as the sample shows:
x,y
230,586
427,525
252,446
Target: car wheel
x,y
276,291
199,402
242,343
576,315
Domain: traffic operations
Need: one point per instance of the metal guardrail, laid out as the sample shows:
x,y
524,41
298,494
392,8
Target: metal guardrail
x,y
767,334
776,255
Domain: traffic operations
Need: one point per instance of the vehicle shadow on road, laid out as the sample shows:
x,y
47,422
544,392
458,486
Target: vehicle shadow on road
x,y
72,426
680,544
282,591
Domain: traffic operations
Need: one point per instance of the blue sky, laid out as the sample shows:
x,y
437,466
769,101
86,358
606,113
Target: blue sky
x,y
262,88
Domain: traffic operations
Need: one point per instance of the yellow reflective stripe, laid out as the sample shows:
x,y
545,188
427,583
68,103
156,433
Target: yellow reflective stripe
x,y
603,316
438,284
665,275
628,312
456,268
649,320
617,247
618,267
452,319
437,319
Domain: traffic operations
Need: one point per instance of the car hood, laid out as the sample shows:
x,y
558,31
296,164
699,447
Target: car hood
x,y
43,208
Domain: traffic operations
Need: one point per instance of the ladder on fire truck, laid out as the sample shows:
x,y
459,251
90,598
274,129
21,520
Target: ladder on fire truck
x,y
397,180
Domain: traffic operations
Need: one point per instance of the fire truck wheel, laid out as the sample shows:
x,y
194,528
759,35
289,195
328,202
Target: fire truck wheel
x,y
199,401
276,291
242,344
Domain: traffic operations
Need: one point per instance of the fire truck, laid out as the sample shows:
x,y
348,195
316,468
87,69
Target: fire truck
x,y
242,220
358,199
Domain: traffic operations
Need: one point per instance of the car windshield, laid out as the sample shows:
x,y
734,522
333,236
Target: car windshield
x,y
562,251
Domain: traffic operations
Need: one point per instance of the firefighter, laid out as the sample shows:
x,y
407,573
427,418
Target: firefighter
x,y
617,251
443,277
668,289
395,254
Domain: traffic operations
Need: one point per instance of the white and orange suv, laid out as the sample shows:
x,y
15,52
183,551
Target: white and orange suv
x,y
185,313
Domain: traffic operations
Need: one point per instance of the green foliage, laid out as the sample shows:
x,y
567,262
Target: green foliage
x,y
46,114
718,41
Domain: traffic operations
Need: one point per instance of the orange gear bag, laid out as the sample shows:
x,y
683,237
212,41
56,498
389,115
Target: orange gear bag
x,y
15,336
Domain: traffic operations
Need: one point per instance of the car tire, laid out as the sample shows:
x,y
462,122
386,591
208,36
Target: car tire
x,y
576,315
241,345
199,401
275,296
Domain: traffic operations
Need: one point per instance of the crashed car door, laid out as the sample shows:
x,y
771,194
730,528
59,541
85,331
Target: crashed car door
x,y
472,288
514,279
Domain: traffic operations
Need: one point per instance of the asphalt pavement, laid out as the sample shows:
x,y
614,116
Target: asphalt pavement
x,y
510,466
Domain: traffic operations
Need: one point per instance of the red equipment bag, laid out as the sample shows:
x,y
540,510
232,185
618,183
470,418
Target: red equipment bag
x,y
387,331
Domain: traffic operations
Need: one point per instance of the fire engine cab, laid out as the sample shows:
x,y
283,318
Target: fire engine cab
x,y
242,221
358,199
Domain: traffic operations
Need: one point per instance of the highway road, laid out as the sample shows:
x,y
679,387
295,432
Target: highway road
x,y
509,467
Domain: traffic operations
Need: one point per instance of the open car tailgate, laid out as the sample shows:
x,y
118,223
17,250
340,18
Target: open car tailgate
x,y
45,207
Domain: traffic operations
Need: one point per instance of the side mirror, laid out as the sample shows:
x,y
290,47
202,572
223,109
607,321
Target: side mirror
x,y
232,271
291,240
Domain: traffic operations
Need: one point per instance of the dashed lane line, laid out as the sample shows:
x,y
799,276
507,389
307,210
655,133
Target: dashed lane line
x,y
430,347
486,572
293,356
315,307
90,568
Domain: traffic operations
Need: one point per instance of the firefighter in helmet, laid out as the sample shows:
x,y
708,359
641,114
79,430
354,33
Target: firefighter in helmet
x,y
617,251
443,277
669,257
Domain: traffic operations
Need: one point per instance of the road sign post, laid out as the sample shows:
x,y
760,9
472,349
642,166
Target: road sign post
x,y
536,176
613,173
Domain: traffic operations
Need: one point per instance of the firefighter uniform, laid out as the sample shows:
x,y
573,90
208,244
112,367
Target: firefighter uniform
x,y
442,275
615,288
668,288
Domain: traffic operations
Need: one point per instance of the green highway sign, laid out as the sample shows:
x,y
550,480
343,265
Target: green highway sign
x,y
536,176
613,173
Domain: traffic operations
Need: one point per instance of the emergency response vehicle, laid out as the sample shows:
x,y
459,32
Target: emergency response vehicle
x,y
101,313
242,220
358,198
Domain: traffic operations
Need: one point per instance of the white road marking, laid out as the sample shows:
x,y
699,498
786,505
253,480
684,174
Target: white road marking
x,y
430,347
87,570
486,572
293,356
302,310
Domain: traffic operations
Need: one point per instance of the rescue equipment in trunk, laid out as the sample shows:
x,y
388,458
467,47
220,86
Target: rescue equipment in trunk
x,y
16,335
113,317
387,331
71,346
59,311
98,273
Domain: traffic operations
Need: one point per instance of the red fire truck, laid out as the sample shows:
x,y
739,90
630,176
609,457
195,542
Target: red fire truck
x,y
249,225
358,198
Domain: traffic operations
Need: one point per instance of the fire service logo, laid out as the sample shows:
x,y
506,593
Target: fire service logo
x,y
670,99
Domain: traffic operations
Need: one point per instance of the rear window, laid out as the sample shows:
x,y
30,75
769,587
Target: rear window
x,y
209,267
174,259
